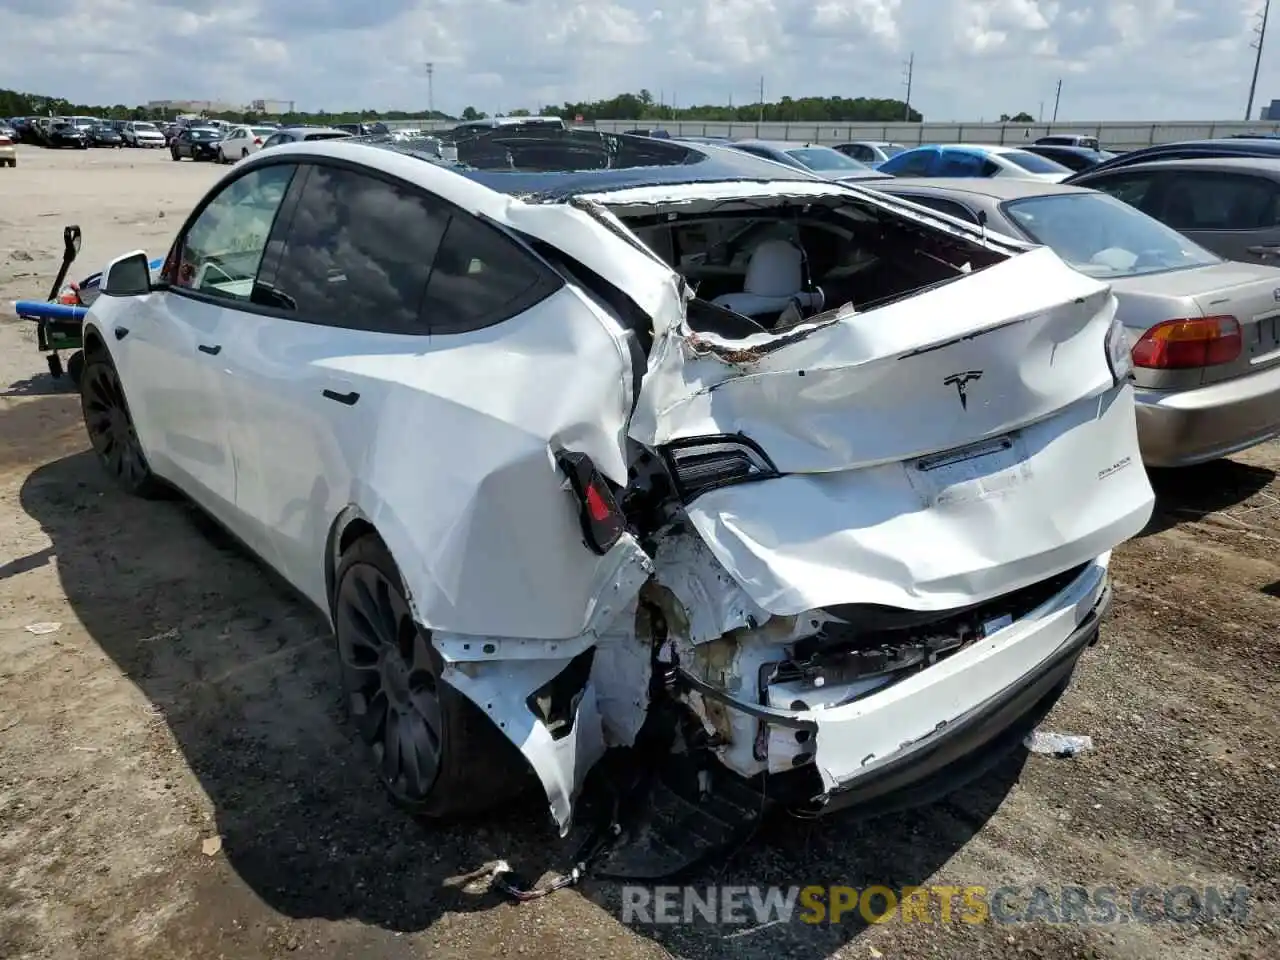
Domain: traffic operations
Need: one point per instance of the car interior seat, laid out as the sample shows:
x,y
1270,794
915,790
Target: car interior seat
x,y
775,280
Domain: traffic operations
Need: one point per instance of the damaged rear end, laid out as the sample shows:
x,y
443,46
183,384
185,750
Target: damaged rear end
x,y
865,529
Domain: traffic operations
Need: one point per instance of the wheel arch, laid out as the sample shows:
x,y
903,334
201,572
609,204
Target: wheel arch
x,y
348,526
95,344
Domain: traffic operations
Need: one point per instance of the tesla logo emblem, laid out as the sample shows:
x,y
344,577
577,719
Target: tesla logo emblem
x,y
960,381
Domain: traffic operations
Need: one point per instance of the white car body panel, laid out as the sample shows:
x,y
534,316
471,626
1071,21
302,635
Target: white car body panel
x,y
487,541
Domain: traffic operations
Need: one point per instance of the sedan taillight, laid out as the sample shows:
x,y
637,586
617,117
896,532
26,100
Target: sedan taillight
x,y
5,142
257,141
1184,344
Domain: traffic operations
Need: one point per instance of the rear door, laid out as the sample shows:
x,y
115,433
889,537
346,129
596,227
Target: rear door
x,y
1236,215
423,372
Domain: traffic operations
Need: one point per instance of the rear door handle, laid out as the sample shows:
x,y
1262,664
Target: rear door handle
x,y
347,398
213,350
1263,249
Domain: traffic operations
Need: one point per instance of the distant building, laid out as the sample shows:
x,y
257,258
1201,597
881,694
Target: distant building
x,y
195,106
1271,111
272,108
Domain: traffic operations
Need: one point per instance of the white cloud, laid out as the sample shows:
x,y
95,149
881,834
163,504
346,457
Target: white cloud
x,y
1120,59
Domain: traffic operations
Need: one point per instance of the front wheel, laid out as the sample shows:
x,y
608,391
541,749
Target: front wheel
x,y
435,752
110,427
174,154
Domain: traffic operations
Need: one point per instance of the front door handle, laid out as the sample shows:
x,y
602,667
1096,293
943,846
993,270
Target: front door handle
x,y
213,350
347,398
1263,249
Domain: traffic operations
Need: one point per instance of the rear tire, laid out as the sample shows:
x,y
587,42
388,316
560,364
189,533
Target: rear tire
x,y
174,154
110,427
435,751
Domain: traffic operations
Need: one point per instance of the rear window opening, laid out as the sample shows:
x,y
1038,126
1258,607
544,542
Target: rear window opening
x,y
767,271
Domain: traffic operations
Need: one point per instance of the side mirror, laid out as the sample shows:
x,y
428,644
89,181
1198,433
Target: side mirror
x,y
127,276
70,243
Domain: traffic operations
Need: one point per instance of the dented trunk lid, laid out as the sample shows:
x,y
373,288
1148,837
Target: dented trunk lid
x,y
944,449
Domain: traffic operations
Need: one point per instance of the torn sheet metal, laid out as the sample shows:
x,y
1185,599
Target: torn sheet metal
x,y
501,690
472,535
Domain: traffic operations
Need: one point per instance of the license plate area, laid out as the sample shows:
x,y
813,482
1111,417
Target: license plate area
x,y
988,469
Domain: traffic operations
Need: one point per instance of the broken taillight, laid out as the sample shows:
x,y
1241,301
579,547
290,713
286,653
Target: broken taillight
x,y
699,464
1183,344
598,512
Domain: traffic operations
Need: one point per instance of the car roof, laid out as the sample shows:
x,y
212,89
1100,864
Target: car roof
x,y
1267,165
706,164
635,162
780,144
997,188
308,128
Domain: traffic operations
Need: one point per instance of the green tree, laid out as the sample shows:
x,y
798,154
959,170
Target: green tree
x,y
1023,117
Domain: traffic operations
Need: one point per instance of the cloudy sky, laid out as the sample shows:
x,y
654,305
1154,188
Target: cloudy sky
x,y
974,59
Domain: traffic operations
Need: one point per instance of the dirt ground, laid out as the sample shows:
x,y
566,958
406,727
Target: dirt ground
x,y
186,699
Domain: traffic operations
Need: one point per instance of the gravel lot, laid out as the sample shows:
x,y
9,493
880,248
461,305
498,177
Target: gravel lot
x,y
186,695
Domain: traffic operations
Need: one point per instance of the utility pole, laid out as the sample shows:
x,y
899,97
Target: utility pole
x,y
762,99
1261,31
431,92
1056,98
910,68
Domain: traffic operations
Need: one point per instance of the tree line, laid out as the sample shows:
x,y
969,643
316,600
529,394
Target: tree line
x,y
640,107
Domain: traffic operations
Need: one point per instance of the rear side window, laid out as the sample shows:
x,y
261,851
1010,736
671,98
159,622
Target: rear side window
x,y
915,163
950,207
1204,200
359,251
481,277
960,163
1133,188
1033,163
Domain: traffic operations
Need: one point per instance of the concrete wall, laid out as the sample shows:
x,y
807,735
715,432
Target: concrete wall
x,y
1123,135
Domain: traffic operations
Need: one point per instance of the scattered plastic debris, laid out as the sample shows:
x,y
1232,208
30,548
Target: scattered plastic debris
x,y
1057,744
211,846
44,628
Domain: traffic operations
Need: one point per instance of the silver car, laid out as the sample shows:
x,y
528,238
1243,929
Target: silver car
x,y
1204,332
814,157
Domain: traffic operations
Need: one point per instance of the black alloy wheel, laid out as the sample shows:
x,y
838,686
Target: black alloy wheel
x,y
435,752
110,428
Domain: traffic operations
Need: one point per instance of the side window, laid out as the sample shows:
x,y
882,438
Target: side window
x,y
989,168
756,152
916,164
950,207
959,163
1132,188
1203,200
860,151
221,251
480,277
359,252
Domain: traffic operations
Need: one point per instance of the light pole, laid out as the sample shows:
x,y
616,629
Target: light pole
x,y
1257,61
431,93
